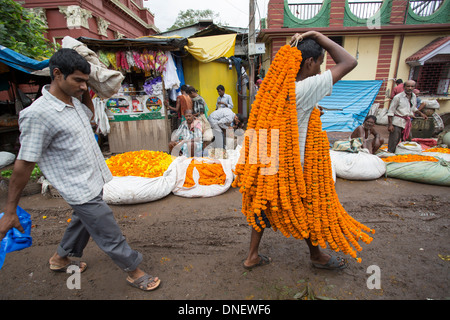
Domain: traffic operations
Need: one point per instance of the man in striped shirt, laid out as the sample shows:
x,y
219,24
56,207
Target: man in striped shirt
x,y
55,133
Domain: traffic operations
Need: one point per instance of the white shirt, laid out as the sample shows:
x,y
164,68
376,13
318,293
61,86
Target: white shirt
x,y
226,98
221,118
308,93
60,139
401,106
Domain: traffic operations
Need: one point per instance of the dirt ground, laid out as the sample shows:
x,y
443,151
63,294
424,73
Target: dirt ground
x,y
197,246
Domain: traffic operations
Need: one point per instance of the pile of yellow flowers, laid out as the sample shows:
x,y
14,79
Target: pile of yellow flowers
x,y
301,203
144,163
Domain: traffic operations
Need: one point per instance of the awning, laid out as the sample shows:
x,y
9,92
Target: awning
x,y
207,49
439,46
20,62
173,43
354,98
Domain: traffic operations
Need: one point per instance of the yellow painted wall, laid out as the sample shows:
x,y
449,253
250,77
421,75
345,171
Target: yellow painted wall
x,y
365,49
205,77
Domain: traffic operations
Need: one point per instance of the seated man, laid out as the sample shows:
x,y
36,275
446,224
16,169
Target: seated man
x,y
365,130
187,139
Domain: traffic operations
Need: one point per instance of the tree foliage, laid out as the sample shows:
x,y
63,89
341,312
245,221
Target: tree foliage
x,y
191,16
23,32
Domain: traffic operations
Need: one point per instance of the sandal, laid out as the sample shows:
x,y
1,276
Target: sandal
x,y
81,265
143,282
264,260
335,263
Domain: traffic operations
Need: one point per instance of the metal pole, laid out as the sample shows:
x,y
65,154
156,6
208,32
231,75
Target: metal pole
x,y
251,56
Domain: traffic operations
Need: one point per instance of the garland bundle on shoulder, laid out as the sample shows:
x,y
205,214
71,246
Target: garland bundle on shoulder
x,y
298,202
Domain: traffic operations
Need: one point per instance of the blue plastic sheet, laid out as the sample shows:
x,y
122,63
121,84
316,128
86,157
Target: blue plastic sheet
x,y
355,98
20,62
14,239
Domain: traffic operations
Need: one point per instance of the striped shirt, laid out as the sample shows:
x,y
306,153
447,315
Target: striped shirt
x,y
60,139
308,93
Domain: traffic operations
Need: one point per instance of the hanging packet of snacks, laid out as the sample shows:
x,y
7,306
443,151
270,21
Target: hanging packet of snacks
x,y
299,203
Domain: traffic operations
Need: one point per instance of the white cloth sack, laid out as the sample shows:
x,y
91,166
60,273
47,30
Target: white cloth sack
x,y
102,81
357,166
408,147
131,190
6,158
200,191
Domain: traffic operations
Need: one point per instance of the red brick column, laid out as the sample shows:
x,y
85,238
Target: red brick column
x,y
383,65
277,43
398,11
275,14
337,10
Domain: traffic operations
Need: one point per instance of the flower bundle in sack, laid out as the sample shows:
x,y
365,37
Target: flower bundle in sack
x,y
140,176
299,203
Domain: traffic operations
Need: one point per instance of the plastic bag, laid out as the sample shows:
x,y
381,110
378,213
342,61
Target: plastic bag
x,y
14,239
131,190
407,147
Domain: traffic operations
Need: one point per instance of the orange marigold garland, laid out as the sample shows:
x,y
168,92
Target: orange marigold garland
x,y
210,173
409,158
298,202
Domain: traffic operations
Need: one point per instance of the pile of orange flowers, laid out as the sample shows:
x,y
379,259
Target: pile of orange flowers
x,y
144,163
209,173
409,158
441,150
300,203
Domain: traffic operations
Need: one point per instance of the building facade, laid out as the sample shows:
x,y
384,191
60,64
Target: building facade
x,y
386,37
98,19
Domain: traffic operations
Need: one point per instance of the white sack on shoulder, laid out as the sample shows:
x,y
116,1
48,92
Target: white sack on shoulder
x,y
357,166
201,191
131,190
103,81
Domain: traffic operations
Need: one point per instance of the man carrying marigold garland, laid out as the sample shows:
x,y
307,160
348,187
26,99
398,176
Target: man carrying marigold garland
x,y
310,87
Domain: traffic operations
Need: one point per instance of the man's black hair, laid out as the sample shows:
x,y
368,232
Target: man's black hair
x,y
371,117
398,81
68,61
309,49
221,87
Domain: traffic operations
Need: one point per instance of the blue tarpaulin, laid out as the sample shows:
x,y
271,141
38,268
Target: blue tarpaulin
x,y
21,62
355,98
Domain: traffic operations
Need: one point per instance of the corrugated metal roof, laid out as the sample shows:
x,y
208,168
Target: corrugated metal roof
x,y
354,98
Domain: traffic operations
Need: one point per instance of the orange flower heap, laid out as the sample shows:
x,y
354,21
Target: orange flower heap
x,y
301,203
210,173
441,150
144,163
409,158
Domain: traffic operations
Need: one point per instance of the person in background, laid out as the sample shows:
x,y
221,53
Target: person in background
x,y
402,109
183,103
223,100
367,129
221,120
199,105
55,133
188,137
398,88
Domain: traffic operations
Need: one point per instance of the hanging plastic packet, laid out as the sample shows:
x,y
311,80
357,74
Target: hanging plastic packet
x,y
14,239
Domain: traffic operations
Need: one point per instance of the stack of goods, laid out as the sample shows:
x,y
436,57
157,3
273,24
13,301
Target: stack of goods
x,y
301,204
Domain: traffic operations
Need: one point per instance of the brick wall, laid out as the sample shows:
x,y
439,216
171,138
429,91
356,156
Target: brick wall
x,y
337,10
398,11
383,65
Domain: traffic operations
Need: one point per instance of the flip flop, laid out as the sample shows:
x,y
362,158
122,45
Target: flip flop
x,y
262,262
57,268
143,282
333,264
